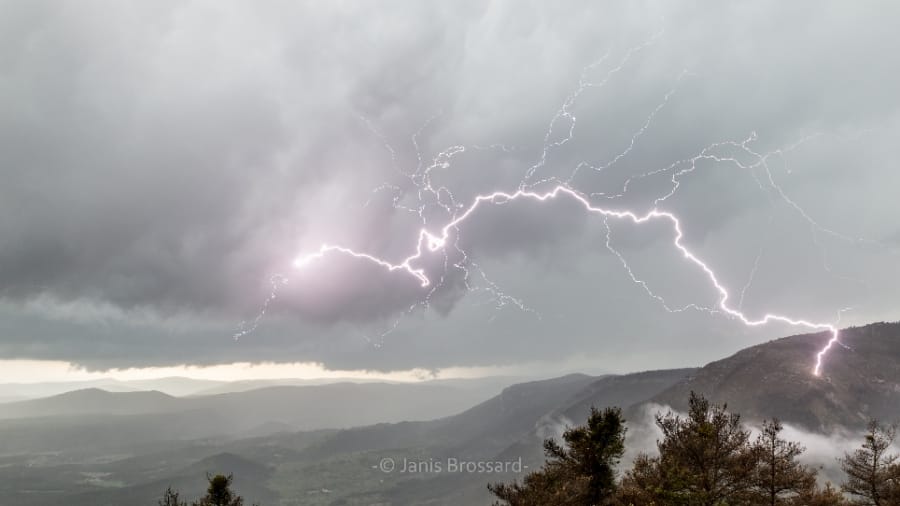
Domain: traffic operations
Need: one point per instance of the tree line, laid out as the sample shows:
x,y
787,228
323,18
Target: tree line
x,y
707,458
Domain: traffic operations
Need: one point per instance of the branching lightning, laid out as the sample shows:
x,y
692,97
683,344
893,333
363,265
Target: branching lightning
x,y
420,187
276,282
436,242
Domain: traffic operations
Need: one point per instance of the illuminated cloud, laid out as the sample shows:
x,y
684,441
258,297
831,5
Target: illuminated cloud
x,y
160,166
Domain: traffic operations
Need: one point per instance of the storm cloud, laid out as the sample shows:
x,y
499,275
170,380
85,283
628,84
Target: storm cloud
x,y
161,162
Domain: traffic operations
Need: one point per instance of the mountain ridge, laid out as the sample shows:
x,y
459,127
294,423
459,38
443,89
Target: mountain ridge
x,y
860,379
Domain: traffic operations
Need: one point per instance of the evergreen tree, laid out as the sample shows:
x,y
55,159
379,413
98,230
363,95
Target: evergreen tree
x,y
873,475
704,460
643,484
581,473
778,477
219,492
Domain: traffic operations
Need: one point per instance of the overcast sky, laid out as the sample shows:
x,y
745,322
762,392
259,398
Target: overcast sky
x,y
161,163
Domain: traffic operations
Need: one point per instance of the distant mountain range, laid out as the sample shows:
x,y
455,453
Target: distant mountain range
x,y
96,448
158,415
176,386
507,427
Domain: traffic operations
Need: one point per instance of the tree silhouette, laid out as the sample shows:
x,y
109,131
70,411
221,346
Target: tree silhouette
x,y
778,477
583,472
704,460
873,475
219,492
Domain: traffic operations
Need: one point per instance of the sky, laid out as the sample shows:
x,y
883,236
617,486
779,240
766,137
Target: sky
x,y
164,164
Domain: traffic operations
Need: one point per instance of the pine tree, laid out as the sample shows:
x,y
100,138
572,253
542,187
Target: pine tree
x,y
219,492
581,473
778,476
704,460
873,475
643,484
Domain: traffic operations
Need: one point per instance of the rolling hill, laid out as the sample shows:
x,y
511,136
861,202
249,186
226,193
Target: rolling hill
x,y
335,405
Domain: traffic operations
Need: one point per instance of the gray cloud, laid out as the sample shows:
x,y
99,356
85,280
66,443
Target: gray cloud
x,y
159,163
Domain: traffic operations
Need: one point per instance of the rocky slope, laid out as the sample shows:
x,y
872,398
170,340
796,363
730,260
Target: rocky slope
x,y
860,379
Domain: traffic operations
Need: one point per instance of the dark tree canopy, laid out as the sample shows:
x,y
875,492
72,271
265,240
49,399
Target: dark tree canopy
x,y
779,478
704,459
873,474
218,493
581,472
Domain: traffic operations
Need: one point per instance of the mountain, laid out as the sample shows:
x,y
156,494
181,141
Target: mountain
x,y
507,427
498,422
482,430
256,384
91,401
176,386
860,380
489,384
108,419
339,405
23,391
96,448
535,409
620,390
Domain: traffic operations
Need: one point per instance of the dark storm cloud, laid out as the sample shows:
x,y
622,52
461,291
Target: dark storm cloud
x,y
160,162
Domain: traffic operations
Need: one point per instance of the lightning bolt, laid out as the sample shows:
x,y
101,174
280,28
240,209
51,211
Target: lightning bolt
x,y
245,328
435,242
428,195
